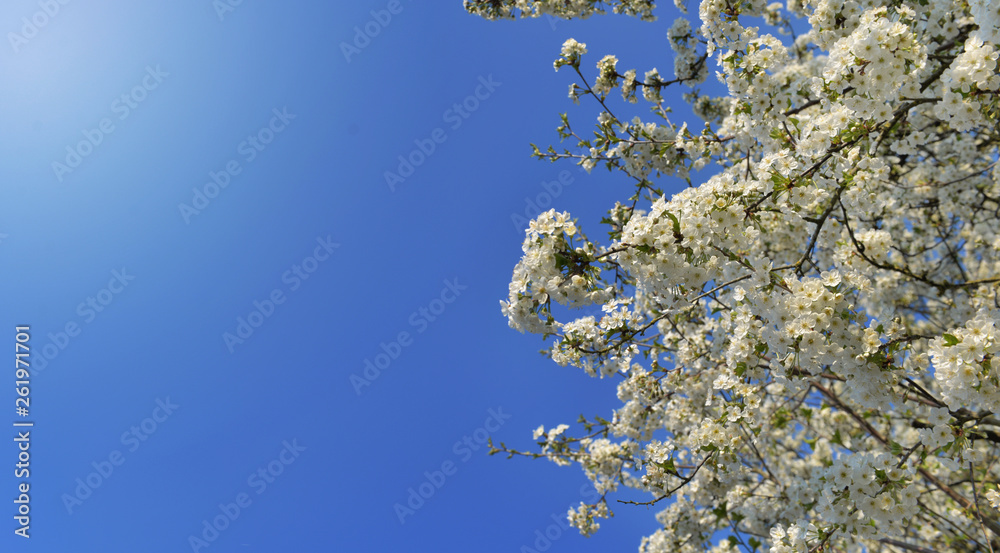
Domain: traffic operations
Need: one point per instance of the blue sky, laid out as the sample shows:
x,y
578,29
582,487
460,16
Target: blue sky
x,y
199,339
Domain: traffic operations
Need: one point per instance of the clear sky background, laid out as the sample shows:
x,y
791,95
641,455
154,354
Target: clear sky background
x,y
132,295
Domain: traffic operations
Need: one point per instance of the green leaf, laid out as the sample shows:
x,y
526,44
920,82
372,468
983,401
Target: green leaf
x,y
950,339
741,368
781,418
720,511
677,224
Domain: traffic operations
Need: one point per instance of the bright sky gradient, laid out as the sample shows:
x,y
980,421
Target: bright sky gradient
x,y
157,97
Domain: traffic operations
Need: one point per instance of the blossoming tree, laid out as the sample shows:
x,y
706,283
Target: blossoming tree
x,y
807,344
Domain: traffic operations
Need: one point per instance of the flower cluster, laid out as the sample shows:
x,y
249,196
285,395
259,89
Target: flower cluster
x,y
567,9
878,60
970,86
986,13
552,268
865,489
806,337
584,517
570,54
792,540
689,64
967,363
